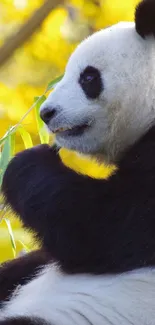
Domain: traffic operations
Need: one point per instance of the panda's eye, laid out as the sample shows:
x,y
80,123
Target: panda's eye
x,y
91,82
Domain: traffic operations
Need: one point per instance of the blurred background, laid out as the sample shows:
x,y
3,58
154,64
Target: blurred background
x,y
36,40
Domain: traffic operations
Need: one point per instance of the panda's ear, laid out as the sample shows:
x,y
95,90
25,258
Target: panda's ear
x,y
145,18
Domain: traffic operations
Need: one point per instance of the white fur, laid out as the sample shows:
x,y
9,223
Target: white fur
x,y
126,107
86,299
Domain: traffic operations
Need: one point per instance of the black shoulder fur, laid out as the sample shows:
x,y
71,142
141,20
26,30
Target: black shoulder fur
x,y
88,225
145,18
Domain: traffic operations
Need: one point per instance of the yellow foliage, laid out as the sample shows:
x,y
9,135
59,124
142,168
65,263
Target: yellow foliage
x,y
17,11
115,11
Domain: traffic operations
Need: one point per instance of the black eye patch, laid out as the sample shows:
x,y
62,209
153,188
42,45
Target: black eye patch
x,y
91,82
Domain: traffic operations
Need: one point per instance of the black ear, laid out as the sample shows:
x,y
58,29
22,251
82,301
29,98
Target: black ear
x,y
145,18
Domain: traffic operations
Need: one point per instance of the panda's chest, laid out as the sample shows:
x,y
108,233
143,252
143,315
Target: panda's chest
x,y
87,300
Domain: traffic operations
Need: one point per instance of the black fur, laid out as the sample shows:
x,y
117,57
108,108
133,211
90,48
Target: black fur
x,y
24,321
19,271
145,18
91,82
88,225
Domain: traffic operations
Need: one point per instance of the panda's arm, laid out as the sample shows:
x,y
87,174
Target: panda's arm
x,y
39,187
61,206
19,271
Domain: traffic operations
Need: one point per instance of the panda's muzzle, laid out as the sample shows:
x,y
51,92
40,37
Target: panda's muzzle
x,y
48,113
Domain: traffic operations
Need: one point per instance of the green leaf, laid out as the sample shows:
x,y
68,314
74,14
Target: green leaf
x,y
5,157
53,83
7,134
43,134
25,137
12,135
13,244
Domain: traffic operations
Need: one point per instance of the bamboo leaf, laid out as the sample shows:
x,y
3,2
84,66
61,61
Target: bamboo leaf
x,y
7,134
5,157
25,137
43,134
12,135
53,83
13,244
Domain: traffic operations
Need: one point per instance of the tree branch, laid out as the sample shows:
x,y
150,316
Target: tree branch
x,y
31,25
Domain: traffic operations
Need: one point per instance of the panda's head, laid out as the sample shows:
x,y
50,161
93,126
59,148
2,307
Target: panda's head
x,y
106,99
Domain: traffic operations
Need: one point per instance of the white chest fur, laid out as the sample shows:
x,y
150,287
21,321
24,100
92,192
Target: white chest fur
x,y
127,299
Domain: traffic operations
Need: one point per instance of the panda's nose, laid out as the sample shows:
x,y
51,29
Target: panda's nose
x,y
47,113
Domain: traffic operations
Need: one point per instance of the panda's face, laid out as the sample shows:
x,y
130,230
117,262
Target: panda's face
x,y
105,100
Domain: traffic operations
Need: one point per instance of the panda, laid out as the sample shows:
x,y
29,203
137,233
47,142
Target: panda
x,y
96,264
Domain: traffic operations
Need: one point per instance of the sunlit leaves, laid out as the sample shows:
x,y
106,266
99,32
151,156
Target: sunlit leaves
x,y
26,137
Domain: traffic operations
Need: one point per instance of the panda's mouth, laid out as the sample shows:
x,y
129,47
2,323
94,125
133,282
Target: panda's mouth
x,y
72,131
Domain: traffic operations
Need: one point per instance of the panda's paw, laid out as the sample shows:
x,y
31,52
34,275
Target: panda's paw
x,y
27,170
19,271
